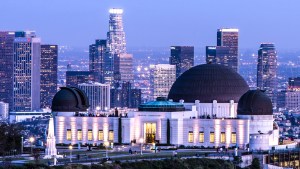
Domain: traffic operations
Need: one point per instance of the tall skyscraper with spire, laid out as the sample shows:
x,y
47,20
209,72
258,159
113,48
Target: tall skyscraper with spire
x,y
267,70
117,63
116,42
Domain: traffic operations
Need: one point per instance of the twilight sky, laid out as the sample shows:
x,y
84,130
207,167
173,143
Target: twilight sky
x,y
157,23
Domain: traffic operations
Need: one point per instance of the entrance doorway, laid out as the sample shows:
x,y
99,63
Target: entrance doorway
x,y
150,130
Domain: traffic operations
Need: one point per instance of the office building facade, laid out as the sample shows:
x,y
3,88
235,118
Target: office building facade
x,y
162,77
98,95
226,51
116,42
49,58
123,68
217,55
182,57
6,72
73,78
125,96
267,70
26,74
97,52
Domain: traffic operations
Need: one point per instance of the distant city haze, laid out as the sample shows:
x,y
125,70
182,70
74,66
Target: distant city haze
x,y
156,23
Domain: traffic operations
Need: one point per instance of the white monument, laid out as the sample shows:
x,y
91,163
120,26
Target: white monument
x,y
51,151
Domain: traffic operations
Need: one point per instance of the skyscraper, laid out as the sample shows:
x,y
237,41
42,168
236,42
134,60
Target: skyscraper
x,y
226,51
162,77
6,72
97,52
267,70
182,57
26,72
49,56
117,63
125,96
98,95
217,55
116,42
123,68
73,78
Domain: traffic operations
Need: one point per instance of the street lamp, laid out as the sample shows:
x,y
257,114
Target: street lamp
x,y
106,144
31,140
97,110
141,141
70,148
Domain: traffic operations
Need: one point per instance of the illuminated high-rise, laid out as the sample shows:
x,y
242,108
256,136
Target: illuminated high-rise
x,y
49,54
226,51
97,53
125,96
116,42
123,68
117,63
26,72
267,70
182,57
162,77
73,78
6,72
98,95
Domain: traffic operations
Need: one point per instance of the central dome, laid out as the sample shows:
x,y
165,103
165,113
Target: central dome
x,y
209,82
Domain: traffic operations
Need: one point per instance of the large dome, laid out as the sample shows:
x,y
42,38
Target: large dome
x,y
70,99
208,82
255,102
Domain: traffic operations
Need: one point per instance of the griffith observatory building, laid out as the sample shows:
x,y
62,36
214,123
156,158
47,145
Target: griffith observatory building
x,y
209,105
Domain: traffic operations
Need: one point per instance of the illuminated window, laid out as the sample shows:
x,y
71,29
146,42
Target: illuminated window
x,y
212,137
191,137
223,137
233,137
79,135
111,135
90,135
100,135
69,135
201,137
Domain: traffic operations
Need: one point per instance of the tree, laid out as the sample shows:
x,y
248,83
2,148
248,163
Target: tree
x,y
255,164
10,137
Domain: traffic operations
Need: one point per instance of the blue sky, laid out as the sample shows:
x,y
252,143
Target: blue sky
x,y
157,23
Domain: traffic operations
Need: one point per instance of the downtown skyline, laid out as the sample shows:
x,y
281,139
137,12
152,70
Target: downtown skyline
x,y
171,24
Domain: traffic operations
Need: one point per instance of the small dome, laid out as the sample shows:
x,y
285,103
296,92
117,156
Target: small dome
x,y
161,105
70,99
209,82
255,102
